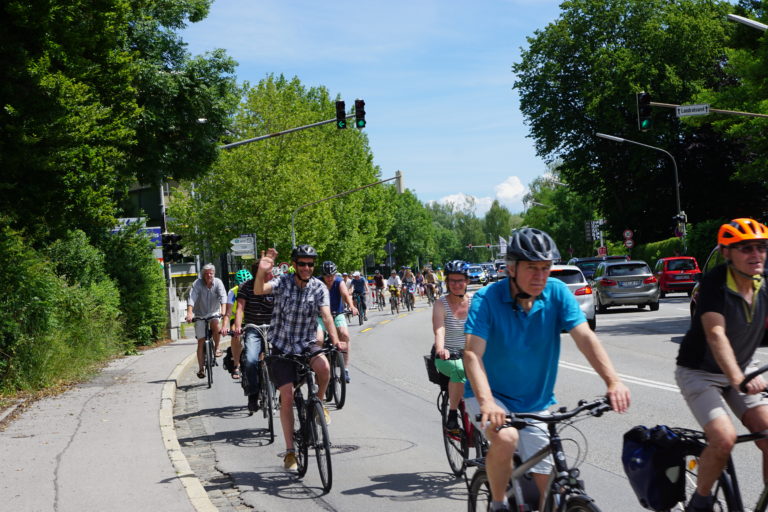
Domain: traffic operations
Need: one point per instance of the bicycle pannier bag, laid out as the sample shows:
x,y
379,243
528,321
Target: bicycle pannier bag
x,y
434,376
654,461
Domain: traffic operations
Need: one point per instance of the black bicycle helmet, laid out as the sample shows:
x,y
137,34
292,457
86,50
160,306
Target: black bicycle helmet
x,y
531,244
303,251
456,267
329,268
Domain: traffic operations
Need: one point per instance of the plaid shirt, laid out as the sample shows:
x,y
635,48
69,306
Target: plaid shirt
x,y
294,319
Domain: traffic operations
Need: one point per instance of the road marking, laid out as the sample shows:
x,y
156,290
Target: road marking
x,y
384,322
367,329
626,378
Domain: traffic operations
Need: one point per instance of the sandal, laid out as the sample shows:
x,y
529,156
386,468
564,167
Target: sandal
x,y
236,373
201,374
218,353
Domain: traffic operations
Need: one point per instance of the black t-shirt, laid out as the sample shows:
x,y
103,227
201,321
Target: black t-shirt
x,y
258,308
744,324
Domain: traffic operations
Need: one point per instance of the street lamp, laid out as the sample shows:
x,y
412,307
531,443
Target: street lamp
x,y
674,164
748,22
398,184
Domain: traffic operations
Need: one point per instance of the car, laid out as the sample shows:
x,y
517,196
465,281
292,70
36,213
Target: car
x,y
490,271
572,276
714,259
589,264
625,283
676,274
501,272
476,274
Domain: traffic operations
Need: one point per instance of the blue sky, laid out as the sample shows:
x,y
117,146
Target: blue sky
x,y
435,75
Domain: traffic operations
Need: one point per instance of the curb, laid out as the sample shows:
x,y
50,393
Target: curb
x,y
195,490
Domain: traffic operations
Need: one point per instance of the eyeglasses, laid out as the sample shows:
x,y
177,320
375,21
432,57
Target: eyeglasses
x,y
457,281
305,264
747,249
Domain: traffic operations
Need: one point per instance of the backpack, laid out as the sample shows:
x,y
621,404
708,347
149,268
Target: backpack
x,y
228,363
654,462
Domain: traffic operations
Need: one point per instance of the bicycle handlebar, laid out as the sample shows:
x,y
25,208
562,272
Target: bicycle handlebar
x,y
298,359
595,407
750,376
206,318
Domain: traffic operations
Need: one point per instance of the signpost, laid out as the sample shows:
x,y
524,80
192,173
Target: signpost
x,y
243,246
692,110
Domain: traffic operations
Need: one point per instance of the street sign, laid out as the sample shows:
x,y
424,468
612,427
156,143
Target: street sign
x,y
242,240
628,234
284,267
242,247
629,243
602,251
692,110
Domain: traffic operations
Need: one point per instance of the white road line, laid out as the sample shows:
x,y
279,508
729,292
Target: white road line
x,y
627,378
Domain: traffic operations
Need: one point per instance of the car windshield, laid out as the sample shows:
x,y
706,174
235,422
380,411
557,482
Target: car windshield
x,y
628,270
680,265
475,269
568,276
587,265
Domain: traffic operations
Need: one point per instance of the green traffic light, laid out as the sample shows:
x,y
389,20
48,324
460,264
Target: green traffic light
x,y
341,124
360,123
646,124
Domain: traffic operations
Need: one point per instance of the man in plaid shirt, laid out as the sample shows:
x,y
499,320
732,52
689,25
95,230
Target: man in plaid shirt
x,y
299,299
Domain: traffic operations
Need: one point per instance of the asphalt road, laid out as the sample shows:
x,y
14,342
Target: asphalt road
x,y
388,453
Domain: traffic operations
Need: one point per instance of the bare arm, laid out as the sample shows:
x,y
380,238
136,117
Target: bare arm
x,y
478,379
714,330
347,297
239,316
438,327
593,350
261,285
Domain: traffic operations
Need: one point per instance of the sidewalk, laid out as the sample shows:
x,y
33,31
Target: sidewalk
x,y
108,444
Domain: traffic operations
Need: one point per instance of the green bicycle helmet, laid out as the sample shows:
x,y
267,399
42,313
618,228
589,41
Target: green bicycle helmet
x,y
242,276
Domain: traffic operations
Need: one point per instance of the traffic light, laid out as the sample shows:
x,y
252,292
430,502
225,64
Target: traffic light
x,y
341,115
359,114
172,247
644,119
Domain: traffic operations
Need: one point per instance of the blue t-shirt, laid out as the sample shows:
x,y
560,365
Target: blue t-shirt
x,y
522,349
337,303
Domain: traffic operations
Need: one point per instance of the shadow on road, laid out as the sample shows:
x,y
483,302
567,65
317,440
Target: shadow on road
x,y
413,486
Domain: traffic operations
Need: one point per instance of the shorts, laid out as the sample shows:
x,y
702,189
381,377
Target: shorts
x,y
532,438
339,320
704,394
200,328
283,371
453,368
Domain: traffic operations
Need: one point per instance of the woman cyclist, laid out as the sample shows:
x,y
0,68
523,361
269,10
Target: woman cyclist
x,y
448,317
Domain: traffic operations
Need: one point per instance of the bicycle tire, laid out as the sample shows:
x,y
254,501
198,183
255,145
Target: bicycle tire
x,y
340,380
300,435
456,444
321,443
267,400
725,498
209,361
579,504
479,499
360,312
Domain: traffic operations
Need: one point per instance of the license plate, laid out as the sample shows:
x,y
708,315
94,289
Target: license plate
x,y
629,284
681,277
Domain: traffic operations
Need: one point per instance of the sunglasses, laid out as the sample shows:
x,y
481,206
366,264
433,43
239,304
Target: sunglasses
x,y
747,249
305,264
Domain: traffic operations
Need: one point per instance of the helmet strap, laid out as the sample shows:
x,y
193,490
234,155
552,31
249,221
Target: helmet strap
x,y
748,276
520,293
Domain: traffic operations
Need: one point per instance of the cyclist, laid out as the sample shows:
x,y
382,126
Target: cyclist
x,y
206,298
440,280
360,289
378,283
339,295
252,310
241,276
512,351
409,283
347,280
299,299
718,350
394,284
448,317
430,281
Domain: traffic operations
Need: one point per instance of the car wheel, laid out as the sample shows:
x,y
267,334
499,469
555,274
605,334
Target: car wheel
x,y
592,322
641,306
662,295
690,292
600,307
655,306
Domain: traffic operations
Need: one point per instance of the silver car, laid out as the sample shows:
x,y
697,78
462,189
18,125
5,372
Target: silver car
x,y
572,276
625,283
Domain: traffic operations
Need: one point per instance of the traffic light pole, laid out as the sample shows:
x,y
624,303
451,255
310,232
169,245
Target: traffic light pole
x,y
277,134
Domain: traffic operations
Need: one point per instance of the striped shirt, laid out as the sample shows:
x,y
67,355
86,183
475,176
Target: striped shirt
x,y
454,328
294,318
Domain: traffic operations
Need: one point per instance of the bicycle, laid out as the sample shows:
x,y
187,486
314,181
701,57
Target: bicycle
x,y
209,358
565,491
726,492
394,303
410,300
337,385
267,392
379,299
310,429
358,298
430,293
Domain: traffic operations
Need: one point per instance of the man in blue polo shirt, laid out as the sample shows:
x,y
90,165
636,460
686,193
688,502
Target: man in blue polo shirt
x,y
512,352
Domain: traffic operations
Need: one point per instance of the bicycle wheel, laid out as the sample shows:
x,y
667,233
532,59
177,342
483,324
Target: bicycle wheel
x,y
322,444
725,498
209,361
360,312
479,499
580,504
393,305
339,382
456,445
300,435
267,400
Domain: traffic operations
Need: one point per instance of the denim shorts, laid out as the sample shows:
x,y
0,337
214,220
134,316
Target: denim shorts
x,y
284,372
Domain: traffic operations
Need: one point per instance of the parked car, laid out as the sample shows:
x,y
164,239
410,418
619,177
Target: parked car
x,y
572,276
501,272
490,271
588,265
676,274
625,283
477,274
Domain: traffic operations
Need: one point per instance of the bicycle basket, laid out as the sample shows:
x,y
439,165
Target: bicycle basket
x,y
654,462
435,376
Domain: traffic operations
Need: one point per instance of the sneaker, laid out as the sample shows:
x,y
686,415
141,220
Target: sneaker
x,y
289,461
703,505
452,423
346,375
253,403
327,416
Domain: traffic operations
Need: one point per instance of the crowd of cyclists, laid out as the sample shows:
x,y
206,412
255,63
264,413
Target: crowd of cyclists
x,y
500,346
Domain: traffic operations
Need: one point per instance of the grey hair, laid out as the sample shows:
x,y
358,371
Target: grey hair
x,y
209,266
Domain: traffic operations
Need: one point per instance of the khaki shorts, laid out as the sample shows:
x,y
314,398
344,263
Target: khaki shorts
x,y
705,395
200,328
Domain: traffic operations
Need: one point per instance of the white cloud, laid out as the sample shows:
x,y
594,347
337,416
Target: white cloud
x,y
509,193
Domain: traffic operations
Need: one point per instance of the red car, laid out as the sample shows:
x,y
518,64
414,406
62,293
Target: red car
x,y
676,274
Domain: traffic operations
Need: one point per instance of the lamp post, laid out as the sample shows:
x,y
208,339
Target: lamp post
x,y
680,213
748,22
398,177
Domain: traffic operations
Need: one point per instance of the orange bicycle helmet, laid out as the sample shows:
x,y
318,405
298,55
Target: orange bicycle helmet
x,y
741,230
